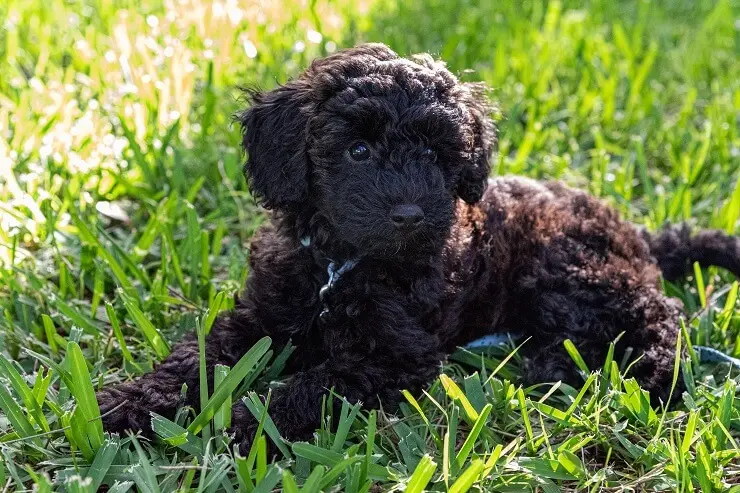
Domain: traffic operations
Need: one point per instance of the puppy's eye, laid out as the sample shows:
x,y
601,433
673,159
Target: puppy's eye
x,y
429,153
359,151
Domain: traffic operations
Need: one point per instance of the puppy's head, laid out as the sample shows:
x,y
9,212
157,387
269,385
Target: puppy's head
x,y
380,146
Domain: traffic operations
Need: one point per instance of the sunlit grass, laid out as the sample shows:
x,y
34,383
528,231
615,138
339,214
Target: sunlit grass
x,y
124,221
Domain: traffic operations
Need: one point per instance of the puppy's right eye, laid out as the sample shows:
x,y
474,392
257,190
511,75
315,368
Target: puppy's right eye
x,y
359,151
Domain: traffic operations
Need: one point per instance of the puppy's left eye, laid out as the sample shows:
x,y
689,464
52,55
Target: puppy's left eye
x,y
428,153
359,151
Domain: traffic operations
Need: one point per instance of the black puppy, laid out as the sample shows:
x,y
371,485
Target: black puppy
x,y
376,270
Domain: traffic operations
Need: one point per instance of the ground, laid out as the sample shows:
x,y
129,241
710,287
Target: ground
x,y
124,221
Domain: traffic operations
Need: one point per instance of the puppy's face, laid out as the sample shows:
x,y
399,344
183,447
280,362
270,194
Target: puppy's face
x,y
380,146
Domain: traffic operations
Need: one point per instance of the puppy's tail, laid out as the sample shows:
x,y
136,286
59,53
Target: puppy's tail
x,y
676,249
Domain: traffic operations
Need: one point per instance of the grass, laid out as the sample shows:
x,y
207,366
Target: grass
x,y
124,221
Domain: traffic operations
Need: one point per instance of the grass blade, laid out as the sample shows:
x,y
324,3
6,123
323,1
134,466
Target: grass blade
x,y
150,333
102,462
468,477
15,414
422,475
83,392
176,435
472,438
16,381
223,392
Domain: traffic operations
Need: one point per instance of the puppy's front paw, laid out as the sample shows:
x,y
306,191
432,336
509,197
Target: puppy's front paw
x,y
121,411
243,428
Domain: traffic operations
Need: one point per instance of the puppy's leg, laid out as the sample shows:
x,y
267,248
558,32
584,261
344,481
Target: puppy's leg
x,y
654,351
371,371
127,406
592,313
278,302
654,340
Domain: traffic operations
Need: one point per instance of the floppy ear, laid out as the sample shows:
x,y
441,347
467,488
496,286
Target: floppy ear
x,y
274,137
474,177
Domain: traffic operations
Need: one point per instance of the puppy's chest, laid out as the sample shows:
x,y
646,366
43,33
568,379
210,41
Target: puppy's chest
x,y
359,298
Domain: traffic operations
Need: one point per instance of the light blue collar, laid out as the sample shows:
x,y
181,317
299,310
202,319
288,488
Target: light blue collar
x,y
493,340
335,273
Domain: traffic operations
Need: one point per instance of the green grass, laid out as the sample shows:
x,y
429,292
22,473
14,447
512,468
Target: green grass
x,y
124,221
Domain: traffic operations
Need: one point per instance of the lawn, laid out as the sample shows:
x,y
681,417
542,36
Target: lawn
x,y
125,220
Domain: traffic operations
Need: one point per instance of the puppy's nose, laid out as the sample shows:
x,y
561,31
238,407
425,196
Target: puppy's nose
x,y
406,216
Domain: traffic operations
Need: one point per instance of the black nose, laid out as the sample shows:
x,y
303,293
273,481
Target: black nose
x,y
406,216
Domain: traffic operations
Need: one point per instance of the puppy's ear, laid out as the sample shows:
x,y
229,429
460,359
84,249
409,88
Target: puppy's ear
x,y
274,137
474,177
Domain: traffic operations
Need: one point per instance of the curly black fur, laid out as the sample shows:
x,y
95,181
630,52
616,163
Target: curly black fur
x,y
513,255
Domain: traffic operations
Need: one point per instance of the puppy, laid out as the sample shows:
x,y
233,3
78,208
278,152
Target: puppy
x,y
389,247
